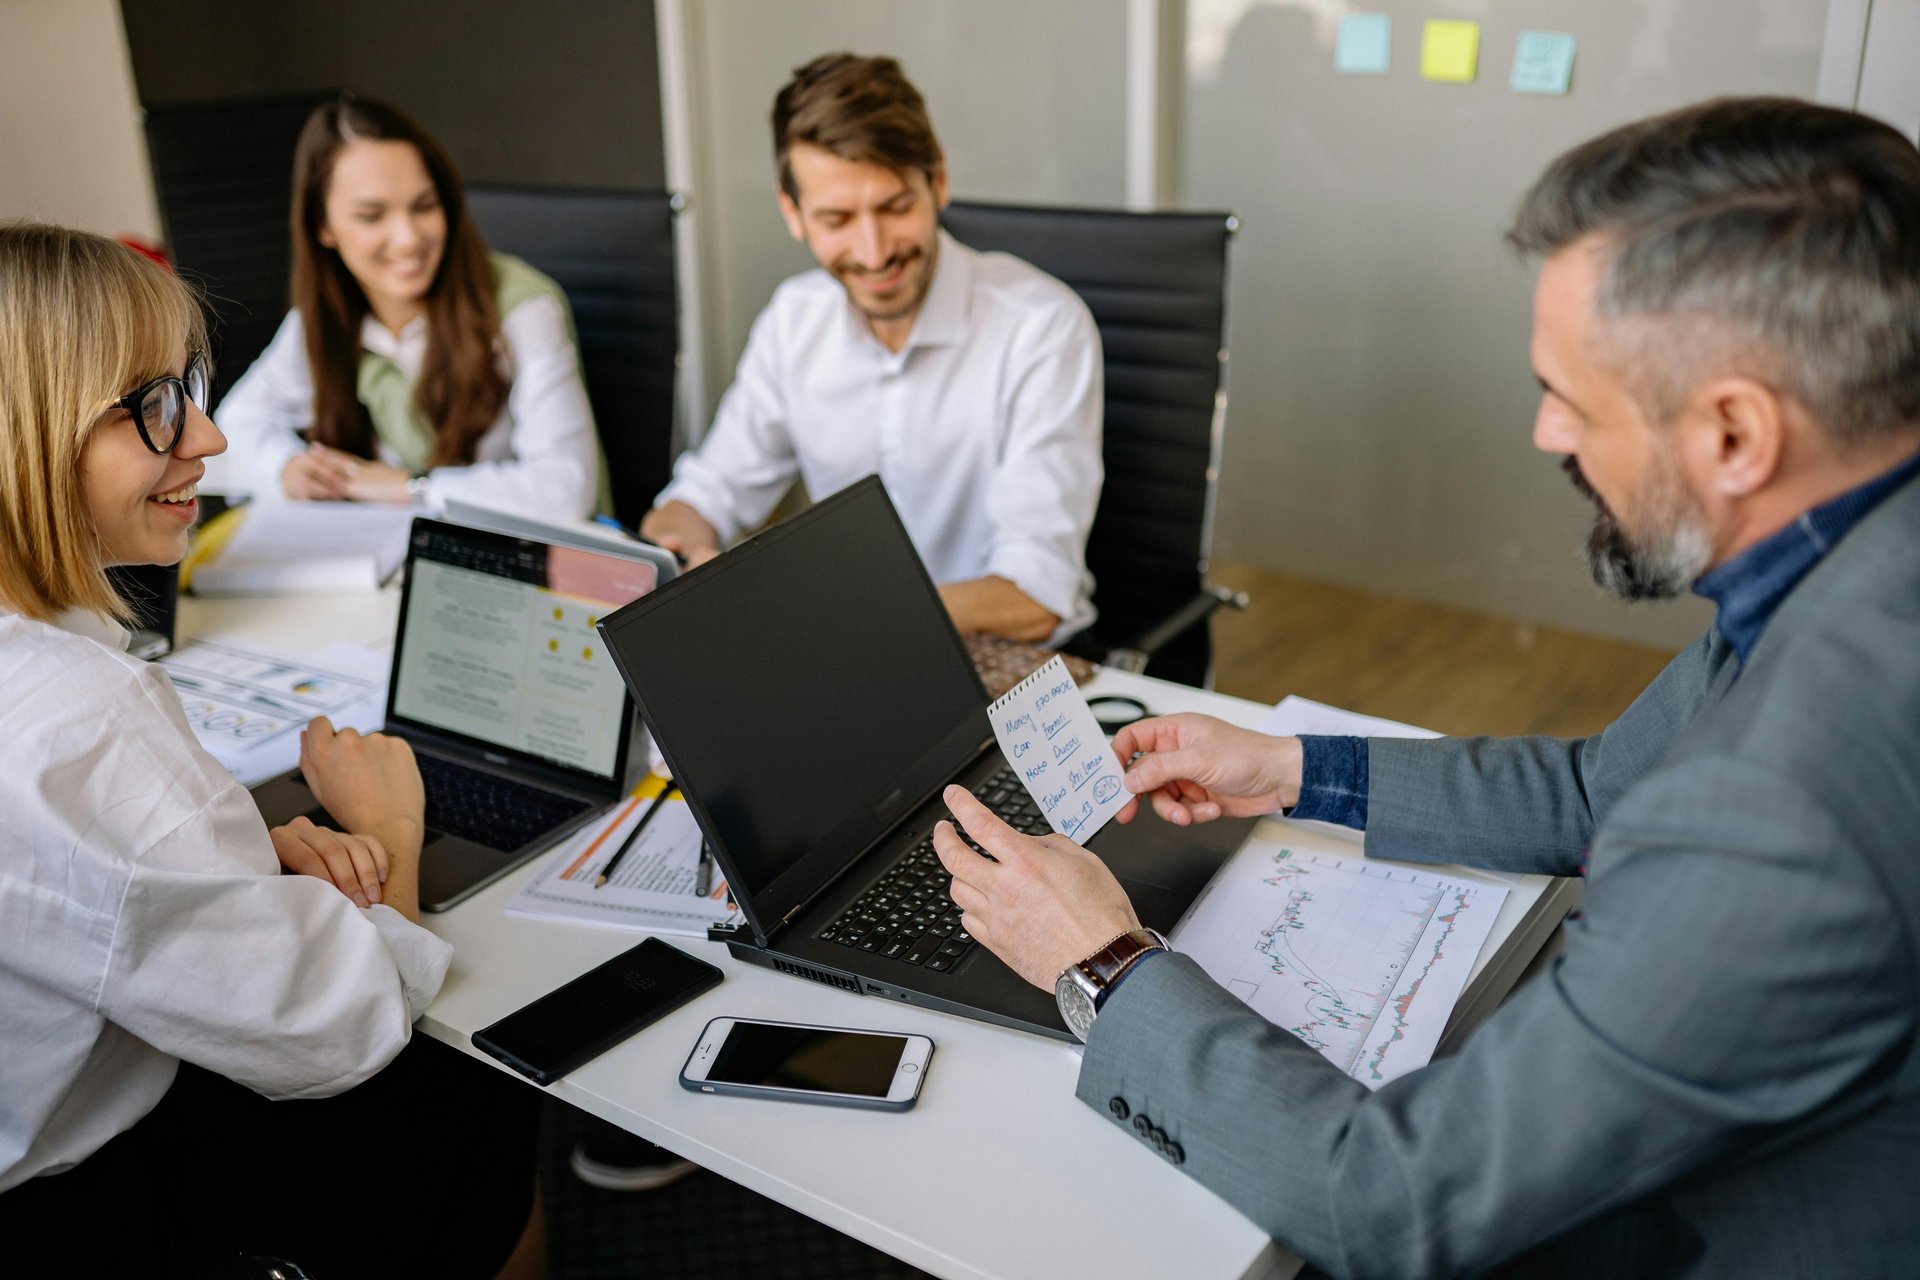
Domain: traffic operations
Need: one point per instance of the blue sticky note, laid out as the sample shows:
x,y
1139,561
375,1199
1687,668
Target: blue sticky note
x,y
1543,62
1365,46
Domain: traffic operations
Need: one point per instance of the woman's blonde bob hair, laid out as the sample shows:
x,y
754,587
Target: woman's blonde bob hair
x,y
83,321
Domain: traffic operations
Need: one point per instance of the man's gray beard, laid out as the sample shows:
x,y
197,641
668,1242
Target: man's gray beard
x,y
1664,560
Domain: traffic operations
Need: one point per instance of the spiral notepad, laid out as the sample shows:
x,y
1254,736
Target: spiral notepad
x,y
1049,736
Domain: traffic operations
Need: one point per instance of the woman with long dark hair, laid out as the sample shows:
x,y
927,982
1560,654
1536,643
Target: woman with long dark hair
x,y
419,366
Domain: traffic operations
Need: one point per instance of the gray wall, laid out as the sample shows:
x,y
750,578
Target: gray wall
x,y
1028,100
71,151
1381,396
565,92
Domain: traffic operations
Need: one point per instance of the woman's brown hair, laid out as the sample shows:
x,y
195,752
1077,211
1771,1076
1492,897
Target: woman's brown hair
x,y
461,390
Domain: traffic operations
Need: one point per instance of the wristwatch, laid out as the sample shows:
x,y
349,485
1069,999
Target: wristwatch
x,y
417,487
1082,988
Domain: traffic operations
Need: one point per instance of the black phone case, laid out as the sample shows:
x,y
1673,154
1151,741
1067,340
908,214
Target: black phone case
x,y
627,993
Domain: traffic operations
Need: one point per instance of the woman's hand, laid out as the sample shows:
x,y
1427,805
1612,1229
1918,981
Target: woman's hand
x,y
377,482
322,473
368,782
318,474
357,865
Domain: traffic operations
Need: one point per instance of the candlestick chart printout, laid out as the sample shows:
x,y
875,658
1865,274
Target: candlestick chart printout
x,y
1361,959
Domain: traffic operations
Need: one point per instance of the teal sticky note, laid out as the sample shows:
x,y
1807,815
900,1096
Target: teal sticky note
x,y
1365,46
1543,62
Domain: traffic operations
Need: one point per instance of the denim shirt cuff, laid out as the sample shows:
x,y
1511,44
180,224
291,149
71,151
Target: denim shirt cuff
x,y
1333,781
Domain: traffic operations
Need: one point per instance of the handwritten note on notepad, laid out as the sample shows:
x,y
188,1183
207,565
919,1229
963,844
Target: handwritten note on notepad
x,y
1049,736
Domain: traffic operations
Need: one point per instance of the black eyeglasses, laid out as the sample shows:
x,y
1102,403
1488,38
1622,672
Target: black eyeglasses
x,y
159,408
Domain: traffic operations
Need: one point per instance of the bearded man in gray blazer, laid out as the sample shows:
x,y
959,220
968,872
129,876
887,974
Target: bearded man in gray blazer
x,y
1719,1076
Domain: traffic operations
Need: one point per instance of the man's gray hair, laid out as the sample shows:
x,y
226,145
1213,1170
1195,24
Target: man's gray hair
x,y
1762,236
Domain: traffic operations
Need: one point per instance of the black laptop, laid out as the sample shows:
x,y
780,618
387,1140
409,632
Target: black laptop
x,y
812,700
503,687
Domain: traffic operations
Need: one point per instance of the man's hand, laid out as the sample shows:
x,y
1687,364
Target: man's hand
x,y
357,865
996,607
1047,903
683,531
1194,768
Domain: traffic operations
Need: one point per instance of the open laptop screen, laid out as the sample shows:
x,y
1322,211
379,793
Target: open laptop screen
x,y
497,645
806,688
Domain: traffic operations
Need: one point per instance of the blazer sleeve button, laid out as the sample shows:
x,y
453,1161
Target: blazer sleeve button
x,y
1119,1108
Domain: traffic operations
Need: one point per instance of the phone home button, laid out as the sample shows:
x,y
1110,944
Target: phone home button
x,y
909,1067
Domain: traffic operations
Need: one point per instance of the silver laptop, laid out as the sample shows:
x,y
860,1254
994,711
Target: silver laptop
x,y
517,715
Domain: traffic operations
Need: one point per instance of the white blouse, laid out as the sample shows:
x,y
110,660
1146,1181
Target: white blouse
x,y
144,919
540,458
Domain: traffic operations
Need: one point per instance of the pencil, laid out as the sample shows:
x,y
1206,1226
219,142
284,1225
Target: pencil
x,y
606,872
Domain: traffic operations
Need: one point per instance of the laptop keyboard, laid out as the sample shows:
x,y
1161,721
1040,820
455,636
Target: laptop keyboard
x,y
488,809
907,915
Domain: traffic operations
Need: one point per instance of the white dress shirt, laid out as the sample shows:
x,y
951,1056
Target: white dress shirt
x,y
540,458
143,918
985,426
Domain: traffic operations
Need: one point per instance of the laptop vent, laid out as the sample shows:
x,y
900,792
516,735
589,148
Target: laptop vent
x,y
816,975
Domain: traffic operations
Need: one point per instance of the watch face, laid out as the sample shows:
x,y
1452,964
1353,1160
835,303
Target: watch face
x,y
1076,1008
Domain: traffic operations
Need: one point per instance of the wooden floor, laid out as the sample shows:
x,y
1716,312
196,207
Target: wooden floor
x,y
1447,669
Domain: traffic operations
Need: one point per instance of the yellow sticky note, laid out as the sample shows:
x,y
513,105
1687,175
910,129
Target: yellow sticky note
x,y
1449,50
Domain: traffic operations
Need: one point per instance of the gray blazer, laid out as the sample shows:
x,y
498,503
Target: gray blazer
x,y
1718,1077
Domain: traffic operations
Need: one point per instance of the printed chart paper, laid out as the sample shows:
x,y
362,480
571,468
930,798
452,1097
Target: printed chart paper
x,y
1361,959
244,703
1049,736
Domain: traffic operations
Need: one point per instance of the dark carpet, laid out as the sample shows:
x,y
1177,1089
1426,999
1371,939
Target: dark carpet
x,y
701,1226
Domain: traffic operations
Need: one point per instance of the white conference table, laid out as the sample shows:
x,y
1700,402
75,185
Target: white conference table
x,y
999,1171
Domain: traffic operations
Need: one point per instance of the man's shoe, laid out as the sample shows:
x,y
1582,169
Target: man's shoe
x,y
615,1160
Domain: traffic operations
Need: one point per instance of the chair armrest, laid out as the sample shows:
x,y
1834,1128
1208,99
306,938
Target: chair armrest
x,y
1134,657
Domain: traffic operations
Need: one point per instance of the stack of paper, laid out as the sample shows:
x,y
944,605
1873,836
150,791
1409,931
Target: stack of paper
x,y
308,548
653,887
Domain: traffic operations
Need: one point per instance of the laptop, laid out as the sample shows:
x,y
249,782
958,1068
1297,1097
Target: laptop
x,y
587,535
812,700
500,682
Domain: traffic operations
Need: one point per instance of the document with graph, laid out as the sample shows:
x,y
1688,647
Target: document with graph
x,y
1361,959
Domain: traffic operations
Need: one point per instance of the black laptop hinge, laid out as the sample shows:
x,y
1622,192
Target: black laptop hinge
x,y
862,856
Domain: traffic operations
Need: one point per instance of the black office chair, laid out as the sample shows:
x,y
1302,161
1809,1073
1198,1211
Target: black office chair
x,y
223,172
1156,284
612,252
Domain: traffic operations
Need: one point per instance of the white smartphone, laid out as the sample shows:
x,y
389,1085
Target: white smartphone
x,y
837,1066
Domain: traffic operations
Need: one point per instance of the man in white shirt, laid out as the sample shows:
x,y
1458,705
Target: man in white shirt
x,y
970,382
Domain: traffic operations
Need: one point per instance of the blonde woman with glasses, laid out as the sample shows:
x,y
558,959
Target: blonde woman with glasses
x,y
160,978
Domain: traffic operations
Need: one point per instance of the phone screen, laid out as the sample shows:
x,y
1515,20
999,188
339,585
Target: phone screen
x,y
810,1058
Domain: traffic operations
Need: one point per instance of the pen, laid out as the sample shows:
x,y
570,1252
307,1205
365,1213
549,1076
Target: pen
x,y
606,872
703,872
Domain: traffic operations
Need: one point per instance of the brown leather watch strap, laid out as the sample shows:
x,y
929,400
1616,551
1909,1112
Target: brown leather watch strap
x,y
1109,962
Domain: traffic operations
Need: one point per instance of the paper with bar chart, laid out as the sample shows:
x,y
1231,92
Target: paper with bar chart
x,y
1361,959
